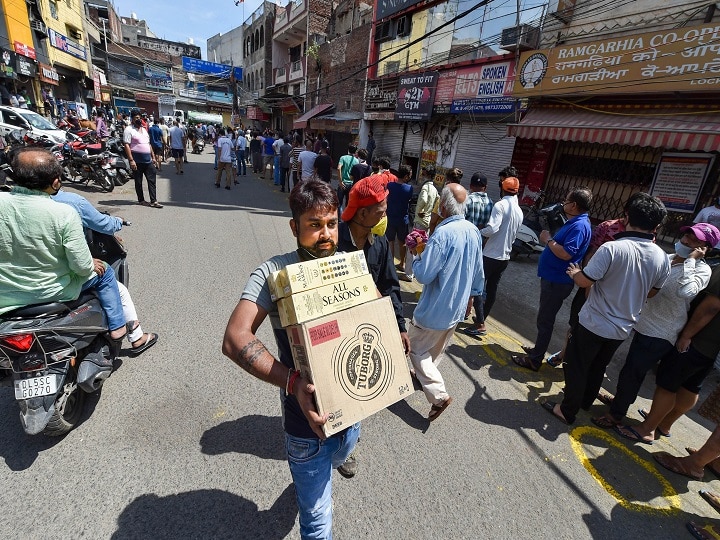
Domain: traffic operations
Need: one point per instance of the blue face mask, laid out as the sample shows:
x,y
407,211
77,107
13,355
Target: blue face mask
x,y
682,250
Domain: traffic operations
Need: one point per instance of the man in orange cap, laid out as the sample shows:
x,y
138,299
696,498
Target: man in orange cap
x,y
364,214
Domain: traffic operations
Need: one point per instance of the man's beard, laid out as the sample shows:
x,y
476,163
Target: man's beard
x,y
316,252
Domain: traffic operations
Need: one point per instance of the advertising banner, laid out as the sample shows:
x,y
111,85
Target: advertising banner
x,y
48,74
24,66
385,8
488,90
415,97
24,50
382,94
679,60
66,44
7,63
195,65
679,178
158,77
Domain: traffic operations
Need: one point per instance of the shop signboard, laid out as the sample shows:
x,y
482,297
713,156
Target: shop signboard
x,y
24,50
7,63
485,89
415,97
66,44
195,65
256,113
679,178
158,77
48,74
382,94
385,8
682,59
24,66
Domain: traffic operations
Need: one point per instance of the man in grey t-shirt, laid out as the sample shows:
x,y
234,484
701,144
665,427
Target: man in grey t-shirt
x,y
622,274
314,225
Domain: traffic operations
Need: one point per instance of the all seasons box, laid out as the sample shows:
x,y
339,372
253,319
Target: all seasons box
x,y
303,306
303,276
355,359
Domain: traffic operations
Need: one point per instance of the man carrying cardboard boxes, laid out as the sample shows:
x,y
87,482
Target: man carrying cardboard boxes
x,y
311,455
450,268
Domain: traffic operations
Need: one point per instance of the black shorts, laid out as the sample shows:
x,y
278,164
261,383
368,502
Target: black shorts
x,y
157,150
177,153
397,230
685,370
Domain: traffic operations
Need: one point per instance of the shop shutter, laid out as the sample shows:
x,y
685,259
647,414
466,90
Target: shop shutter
x,y
485,148
413,142
388,141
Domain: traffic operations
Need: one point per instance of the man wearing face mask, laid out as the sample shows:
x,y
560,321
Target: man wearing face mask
x,y
45,242
450,268
363,227
311,456
142,158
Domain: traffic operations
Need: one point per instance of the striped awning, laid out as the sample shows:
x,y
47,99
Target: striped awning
x,y
653,128
301,123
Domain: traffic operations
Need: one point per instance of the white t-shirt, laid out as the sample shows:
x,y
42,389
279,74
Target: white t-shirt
x,y
710,215
501,230
225,147
624,272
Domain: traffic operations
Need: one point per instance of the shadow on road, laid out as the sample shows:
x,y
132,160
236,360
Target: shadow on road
x,y
207,513
257,435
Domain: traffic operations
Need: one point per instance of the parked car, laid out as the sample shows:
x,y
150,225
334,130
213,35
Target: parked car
x,y
12,118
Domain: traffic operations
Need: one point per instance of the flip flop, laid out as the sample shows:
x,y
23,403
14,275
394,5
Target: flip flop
x,y
525,362
143,203
606,421
712,468
644,414
672,463
703,532
151,340
632,435
474,332
549,406
712,498
604,397
439,409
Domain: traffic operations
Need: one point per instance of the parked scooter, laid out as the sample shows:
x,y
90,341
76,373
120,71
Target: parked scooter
x,y
57,353
537,219
118,160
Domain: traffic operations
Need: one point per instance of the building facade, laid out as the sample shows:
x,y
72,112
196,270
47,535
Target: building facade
x,y
257,31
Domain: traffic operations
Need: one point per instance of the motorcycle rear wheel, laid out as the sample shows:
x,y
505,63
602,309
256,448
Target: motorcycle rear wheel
x,y
71,174
60,424
103,180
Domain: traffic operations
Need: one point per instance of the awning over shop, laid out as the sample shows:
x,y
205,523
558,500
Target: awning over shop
x,y
301,122
654,128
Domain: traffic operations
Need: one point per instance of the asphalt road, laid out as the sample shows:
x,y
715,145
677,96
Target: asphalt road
x,y
181,443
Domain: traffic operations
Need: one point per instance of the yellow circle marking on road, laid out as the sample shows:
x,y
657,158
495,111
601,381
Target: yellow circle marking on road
x,y
669,492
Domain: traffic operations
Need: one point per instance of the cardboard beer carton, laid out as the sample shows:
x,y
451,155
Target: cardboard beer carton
x,y
303,276
303,306
355,359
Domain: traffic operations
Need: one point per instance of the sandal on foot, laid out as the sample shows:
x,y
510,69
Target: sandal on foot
x,y
556,359
604,397
437,410
525,362
630,433
675,464
549,406
474,332
606,421
156,204
710,466
712,498
149,342
143,203
644,414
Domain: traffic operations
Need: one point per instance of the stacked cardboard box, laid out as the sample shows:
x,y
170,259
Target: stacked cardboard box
x,y
343,338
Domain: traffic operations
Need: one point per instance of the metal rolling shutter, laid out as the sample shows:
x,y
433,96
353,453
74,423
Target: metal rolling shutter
x,y
388,141
484,148
413,143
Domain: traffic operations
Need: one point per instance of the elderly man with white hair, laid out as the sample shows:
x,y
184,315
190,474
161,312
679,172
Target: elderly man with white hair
x,y
450,268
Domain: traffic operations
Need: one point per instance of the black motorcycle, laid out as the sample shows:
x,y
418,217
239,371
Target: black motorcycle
x,y
57,353
81,167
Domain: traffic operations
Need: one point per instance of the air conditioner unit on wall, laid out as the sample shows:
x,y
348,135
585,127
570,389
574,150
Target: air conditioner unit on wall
x,y
38,26
529,38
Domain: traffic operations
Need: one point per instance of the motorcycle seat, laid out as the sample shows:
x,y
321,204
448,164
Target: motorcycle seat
x,y
48,308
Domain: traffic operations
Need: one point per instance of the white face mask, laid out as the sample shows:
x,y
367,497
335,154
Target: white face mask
x,y
682,250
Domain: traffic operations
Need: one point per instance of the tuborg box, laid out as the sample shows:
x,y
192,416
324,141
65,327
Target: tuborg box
x,y
306,275
355,359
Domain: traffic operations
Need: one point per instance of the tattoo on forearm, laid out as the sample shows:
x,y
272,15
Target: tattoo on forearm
x,y
251,352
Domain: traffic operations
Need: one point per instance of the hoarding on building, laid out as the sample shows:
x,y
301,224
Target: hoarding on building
x,y
158,77
479,89
66,44
415,96
683,59
195,65
382,94
24,66
48,74
679,178
24,50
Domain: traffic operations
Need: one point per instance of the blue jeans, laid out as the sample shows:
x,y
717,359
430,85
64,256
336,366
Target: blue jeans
x,y
276,171
109,295
241,162
311,464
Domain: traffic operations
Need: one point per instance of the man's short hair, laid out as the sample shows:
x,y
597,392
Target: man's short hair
x,y
286,140
508,172
581,196
312,195
453,175
352,148
384,162
35,168
404,171
645,212
362,154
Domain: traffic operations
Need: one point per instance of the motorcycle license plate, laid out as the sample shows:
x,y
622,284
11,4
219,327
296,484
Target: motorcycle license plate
x,y
36,387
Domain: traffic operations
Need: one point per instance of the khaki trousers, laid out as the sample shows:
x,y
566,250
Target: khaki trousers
x,y
227,167
427,348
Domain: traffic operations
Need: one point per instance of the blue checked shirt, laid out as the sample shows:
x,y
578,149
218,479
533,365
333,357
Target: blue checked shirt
x,y
478,209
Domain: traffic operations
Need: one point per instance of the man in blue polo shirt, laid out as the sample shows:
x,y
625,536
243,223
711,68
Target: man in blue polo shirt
x,y
567,246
